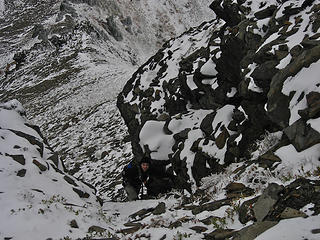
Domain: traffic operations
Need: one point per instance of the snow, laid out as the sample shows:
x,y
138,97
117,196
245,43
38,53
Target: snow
x,y
152,135
191,84
232,92
209,69
252,85
284,62
2,8
304,82
222,118
87,107
293,229
295,163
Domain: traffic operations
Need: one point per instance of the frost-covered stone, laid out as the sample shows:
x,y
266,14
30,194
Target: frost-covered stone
x,y
238,78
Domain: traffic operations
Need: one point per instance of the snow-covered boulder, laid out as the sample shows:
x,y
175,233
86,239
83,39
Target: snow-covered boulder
x,y
207,96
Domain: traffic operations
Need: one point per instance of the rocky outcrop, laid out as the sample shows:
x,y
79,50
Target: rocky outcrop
x,y
211,93
35,177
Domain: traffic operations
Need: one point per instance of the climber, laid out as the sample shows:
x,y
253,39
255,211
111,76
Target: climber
x,y
154,178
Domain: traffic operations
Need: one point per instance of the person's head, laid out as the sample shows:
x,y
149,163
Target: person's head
x,y
145,164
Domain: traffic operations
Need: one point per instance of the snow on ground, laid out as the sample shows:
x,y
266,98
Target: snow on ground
x,y
92,121
293,229
2,8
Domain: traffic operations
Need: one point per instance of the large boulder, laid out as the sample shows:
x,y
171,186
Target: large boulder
x,y
208,95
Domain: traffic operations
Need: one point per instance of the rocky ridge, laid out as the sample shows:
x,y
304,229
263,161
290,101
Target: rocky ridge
x,y
208,119
217,89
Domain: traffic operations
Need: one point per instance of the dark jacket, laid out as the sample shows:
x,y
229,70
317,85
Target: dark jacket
x,y
135,176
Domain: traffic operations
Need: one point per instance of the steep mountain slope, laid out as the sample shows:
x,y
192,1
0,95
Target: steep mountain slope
x,y
36,193
233,104
66,61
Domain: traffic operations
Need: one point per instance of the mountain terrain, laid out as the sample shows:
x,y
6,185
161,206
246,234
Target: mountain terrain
x,y
66,61
230,107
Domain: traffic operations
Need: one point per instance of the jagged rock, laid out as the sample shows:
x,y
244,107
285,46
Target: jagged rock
x,y
199,169
70,180
81,193
18,158
211,206
39,165
227,10
74,224
31,139
163,117
246,213
277,102
220,234
235,190
263,74
302,135
175,224
265,13
199,229
210,220
21,173
291,213
96,229
142,213
313,110
55,159
297,195
266,201
222,138
247,66
133,224
126,231
159,209
268,159
315,231
206,124
254,230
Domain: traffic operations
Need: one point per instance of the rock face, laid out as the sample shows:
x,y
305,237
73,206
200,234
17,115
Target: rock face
x,y
206,97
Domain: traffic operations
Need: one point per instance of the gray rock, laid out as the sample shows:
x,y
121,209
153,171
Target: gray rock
x,y
278,103
39,165
254,230
291,213
74,224
159,209
246,213
96,229
81,193
220,234
267,12
302,135
21,173
211,206
266,201
199,229
18,158
263,74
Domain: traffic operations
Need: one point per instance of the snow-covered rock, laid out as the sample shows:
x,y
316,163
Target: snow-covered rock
x,y
266,55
